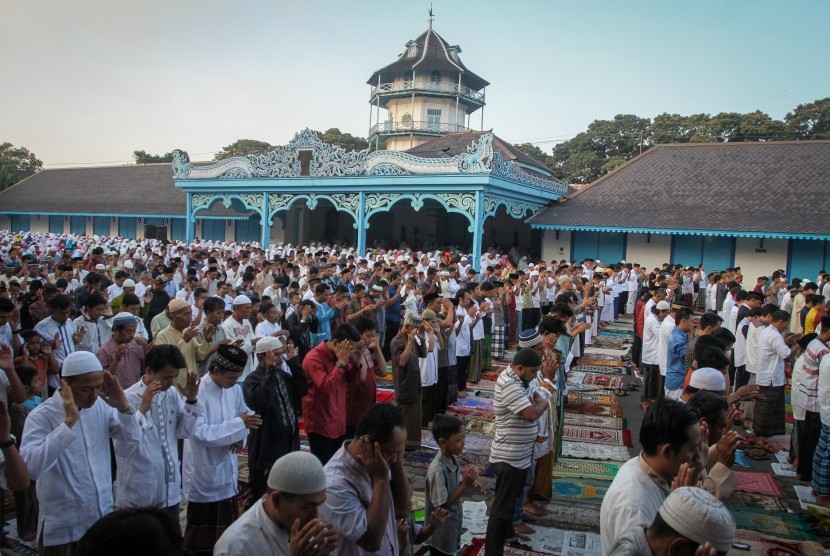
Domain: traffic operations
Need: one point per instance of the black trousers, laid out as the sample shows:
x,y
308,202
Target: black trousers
x,y
392,328
808,432
324,447
623,301
510,482
462,365
442,387
258,481
637,350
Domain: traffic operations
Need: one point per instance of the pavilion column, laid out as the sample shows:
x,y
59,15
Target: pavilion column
x,y
478,229
265,219
361,225
189,220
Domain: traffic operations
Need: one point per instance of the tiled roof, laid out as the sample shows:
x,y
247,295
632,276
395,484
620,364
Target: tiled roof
x,y
130,189
457,143
772,187
433,53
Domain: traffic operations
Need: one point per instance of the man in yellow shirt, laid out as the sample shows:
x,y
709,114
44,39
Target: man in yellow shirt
x,y
182,334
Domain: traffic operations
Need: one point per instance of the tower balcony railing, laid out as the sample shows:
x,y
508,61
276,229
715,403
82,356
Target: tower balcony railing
x,y
430,128
449,89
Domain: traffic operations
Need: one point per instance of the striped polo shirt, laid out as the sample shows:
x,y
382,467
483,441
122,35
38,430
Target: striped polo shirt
x,y
515,437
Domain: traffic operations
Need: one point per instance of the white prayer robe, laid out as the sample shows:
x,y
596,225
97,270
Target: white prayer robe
x,y
253,533
72,467
148,473
209,468
235,330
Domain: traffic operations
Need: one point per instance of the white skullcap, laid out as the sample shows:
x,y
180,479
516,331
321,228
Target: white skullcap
x,y
128,283
708,378
267,344
700,517
128,264
80,363
242,300
100,266
663,305
564,278
297,473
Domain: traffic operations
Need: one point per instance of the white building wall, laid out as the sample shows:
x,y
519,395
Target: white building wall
x,y
5,221
197,229
754,264
230,231
277,232
114,227
649,252
556,249
39,224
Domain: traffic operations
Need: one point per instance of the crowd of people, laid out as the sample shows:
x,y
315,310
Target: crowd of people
x,y
199,350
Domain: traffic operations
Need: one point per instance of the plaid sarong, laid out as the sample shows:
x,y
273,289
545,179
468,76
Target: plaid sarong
x,y
206,521
769,411
476,357
487,353
497,342
821,463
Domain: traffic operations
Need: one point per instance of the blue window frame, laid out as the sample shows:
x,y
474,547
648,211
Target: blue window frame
x,y
77,224
55,224
806,257
101,225
177,229
127,226
609,247
20,222
213,230
712,251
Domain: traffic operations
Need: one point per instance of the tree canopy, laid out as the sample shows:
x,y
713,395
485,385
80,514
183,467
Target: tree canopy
x,y
16,163
143,157
244,147
607,144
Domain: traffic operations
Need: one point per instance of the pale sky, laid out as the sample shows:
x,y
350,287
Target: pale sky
x,y
91,81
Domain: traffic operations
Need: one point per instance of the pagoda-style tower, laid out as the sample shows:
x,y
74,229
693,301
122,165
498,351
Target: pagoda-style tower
x,y
427,92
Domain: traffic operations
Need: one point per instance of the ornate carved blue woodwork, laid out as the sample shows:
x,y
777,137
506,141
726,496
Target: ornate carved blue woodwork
x,y
203,201
507,170
461,203
514,208
346,202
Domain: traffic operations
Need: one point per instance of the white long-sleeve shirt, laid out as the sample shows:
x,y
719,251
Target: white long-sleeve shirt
x,y
824,391
665,329
752,345
209,469
651,340
769,361
148,473
72,466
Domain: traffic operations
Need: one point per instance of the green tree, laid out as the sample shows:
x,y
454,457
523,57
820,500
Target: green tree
x,y
810,121
674,128
603,146
243,147
345,140
143,157
16,163
532,150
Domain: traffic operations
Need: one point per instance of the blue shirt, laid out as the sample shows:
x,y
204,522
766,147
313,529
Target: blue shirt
x,y
393,311
676,360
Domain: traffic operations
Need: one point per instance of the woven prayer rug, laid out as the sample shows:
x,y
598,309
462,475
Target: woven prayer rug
x,y
782,441
780,524
482,427
566,467
764,544
593,409
385,383
760,483
474,443
596,399
420,459
490,375
594,435
585,491
470,401
603,369
489,385
599,421
569,515
514,551
584,450
384,396
600,361
606,381
757,501
472,413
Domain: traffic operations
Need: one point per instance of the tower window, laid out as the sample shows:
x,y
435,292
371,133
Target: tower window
x,y
433,118
435,77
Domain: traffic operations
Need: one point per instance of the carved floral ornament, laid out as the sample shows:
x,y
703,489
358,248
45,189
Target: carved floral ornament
x,y
515,209
328,160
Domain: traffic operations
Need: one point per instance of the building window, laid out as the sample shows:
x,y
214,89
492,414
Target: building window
x,y
406,121
433,118
435,80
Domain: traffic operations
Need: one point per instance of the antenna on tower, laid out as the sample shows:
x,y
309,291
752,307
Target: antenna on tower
x,y
431,14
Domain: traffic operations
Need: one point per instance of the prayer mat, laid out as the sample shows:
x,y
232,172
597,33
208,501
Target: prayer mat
x,y
782,441
580,450
760,483
596,399
384,396
472,413
418,500
384,383
603,380
757,501
593,409
600,360
612,437
598,421
742,459
490,375
478,403
489,385
565,467
513,551
780,524
474,443
420,459
482,427
571,516
611,352
585,491
600,369
763,544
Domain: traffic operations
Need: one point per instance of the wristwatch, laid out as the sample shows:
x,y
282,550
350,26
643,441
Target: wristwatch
x,y
8,443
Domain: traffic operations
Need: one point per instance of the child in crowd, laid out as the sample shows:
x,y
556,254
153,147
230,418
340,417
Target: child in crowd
x,y
411,532
25,501
37,354
446,483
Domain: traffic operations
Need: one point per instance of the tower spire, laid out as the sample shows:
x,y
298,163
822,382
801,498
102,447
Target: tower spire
x,y
431,15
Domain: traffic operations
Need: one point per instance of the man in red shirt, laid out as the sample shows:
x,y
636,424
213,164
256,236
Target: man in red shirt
x,y
328,367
